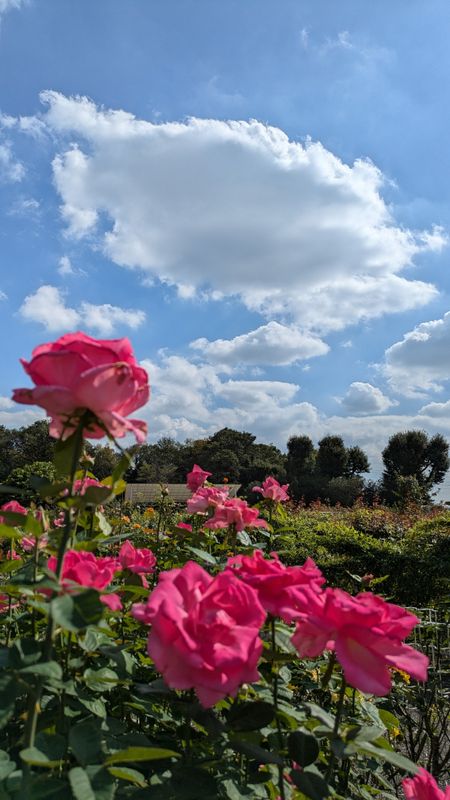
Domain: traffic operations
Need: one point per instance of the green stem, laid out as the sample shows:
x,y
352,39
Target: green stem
x,y
35,696
337,722
275,703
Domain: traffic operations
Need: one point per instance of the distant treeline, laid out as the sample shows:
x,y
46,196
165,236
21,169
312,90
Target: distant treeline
x,y
414,464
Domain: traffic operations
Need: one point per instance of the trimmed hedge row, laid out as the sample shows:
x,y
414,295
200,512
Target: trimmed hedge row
x,y
416,566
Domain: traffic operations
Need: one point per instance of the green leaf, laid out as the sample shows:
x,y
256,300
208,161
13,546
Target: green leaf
x,y
6,766
319,713
75,612
120,469
388,719
44,787
95,496
140,754
64,454
80,784
52,745
35,757
390,756
101,680
203,555
85,740
244,538
47,669
303,748
95,706
256,752
128,774
311,785
250,716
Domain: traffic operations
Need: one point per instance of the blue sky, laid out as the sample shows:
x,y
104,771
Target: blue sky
x,y
256,193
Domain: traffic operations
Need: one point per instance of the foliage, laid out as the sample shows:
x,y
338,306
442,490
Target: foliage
x,y
413,464
85,714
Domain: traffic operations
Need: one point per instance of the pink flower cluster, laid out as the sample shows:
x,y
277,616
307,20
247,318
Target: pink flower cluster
x,y
77,374
424,787
82,568
272,490
205,631
226,511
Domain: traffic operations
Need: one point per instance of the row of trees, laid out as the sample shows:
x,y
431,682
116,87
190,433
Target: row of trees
x,y
414,464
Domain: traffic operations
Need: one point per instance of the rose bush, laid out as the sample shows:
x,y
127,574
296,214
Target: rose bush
x,y
243,677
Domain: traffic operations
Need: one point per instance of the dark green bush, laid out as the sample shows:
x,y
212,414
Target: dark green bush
x,y
417,565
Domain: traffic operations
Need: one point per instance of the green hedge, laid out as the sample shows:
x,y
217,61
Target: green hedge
x,y
417,566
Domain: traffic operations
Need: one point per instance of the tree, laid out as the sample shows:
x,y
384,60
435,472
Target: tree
x,y
357,462
105,460
300,467
34,443
412,454
332,457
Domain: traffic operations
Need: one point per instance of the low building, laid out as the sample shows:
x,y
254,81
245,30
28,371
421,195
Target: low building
x,y
178,492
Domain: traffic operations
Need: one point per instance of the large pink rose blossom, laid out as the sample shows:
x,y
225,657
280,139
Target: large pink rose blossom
x,y
367,634
79,374
204,498
272,490
235,512
82,568
205,631
424,787
280,588
14,507
140,561
196,478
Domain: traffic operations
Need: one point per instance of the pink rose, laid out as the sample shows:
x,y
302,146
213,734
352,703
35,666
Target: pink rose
x,y
279,587
197,477
205,631
424,787
14,507
140,561
28,543
79,374
204,498
81,568
272,490
184,526
235,512
365,631
80,485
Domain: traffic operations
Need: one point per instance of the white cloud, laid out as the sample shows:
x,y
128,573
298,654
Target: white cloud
x,y
437,411
65,266
106,318
421,361
8,5
195,400
363,398
47,306
11,171
237,208
271,344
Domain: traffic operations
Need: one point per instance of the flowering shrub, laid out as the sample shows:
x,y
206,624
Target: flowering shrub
x,y
130,670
